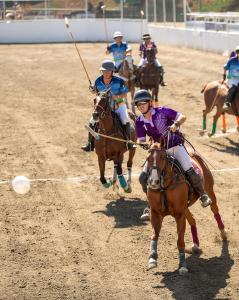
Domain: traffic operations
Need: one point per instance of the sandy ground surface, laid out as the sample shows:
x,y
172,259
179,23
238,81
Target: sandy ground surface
x,y
76,240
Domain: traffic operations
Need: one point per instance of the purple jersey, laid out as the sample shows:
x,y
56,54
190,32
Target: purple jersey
x,y
143,47
162,118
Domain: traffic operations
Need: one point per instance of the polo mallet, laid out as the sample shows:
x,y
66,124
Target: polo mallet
x,y
141,30
105,25
97,136
77,49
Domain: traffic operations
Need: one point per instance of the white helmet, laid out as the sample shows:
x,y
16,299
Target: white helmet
x,y
117,34
237,48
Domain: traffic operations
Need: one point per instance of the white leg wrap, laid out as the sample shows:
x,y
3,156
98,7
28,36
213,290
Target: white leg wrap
x,y
123,114
182,156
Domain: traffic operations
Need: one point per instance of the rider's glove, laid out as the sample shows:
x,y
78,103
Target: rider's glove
x,y
145,146
224,76
92,89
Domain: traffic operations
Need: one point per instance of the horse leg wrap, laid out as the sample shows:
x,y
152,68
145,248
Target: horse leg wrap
x,y
214,127
153,249
122,181
129,174
182,260
204,123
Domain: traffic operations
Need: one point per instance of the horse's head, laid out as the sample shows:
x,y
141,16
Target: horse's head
x,y
102,106
157,163
150,55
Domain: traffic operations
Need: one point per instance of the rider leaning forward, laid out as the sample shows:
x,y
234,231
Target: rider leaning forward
x,y
147,44
154,123
232,67
107,81
118,49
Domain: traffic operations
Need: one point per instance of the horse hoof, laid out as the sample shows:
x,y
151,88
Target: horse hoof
x,y
224,130
210,134
152,263
107,184
202,132
183,271
223,234
195,249
128,188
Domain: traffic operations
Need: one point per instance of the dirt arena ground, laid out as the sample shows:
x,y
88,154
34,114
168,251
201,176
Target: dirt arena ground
x,y
76,240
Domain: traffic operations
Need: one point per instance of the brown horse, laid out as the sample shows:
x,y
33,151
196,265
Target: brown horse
x,y
108,149
214,95
149,74
127,72
169,193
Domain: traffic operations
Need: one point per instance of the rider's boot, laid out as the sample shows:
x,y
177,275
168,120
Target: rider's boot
x,y
90,145
197,184
161,71
143,181
229,97
128,136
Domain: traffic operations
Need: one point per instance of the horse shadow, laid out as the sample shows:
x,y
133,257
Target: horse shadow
x,y
204,280
233,148
126,212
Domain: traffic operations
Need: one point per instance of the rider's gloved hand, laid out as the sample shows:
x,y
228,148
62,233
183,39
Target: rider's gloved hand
x,y
92,89
145,146
224,76
173,127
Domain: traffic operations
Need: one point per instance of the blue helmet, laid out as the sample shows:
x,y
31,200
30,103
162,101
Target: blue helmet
x,y
142,96
107,65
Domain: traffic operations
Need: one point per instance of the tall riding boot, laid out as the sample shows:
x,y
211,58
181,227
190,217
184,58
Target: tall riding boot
x,y
128,136
143,177
90,146
230,97
197,184
161,72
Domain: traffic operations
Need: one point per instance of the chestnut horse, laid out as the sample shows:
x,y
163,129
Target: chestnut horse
x,y
108,149
127,73
149,74
214,95
169,193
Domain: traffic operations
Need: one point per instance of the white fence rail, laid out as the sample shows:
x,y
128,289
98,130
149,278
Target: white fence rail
x,y
198,39
54,31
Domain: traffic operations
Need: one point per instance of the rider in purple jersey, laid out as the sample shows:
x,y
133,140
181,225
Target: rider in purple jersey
x,y
157,122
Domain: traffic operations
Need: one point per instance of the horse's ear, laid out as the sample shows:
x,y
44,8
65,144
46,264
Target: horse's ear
x,y
162,142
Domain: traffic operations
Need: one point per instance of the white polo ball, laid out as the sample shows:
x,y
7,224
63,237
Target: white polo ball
x,y
21,184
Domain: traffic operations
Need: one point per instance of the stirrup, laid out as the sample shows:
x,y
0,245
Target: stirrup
x,y
205,200
145,215
87,148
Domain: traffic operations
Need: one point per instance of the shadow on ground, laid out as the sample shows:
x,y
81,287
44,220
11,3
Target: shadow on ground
x,y
204,280
126,212
232,148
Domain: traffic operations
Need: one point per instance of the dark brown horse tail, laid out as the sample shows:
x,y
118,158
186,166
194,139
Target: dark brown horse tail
x,y
203,88
202,162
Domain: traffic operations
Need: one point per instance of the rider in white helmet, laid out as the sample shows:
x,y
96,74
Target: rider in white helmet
x,y
118,49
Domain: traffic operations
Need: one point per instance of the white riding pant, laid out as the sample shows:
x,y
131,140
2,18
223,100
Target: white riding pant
x,y
180,153
123,114
144,60
233,81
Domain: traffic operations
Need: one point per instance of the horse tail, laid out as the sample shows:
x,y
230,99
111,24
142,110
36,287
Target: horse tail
x,y
202,163
203,89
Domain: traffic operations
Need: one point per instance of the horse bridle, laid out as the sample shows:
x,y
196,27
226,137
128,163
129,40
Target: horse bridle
x,y
104,110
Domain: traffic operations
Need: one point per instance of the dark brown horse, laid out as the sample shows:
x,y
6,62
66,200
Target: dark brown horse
x,y
127,72
149,74
214,96
169,193
109,149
